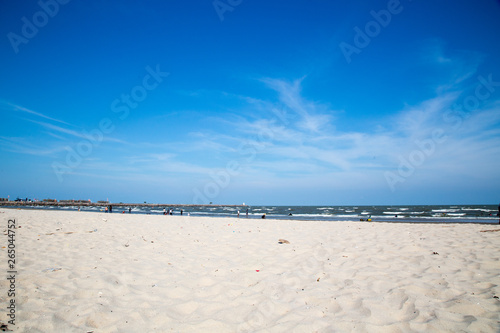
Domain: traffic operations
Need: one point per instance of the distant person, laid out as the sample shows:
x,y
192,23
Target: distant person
x,y
182,211
247,212
264,216
110,208
130,210
164,211
106,209
171,211
238,213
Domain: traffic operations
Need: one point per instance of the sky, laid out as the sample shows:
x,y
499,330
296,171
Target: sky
x,y
247,101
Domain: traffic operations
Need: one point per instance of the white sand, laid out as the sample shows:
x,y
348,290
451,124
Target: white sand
x,y
144,273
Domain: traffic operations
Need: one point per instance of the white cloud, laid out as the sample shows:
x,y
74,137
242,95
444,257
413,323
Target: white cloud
x,y
25,146
304,144
314,116
13,107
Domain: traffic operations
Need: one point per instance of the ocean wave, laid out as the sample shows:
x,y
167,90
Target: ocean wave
x,y
479,209
444,210
304,215
345,215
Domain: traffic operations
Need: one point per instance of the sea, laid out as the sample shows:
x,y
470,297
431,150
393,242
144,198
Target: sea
x,y
410,213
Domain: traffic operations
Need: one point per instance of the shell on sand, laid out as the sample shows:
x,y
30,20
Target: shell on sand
x,y
283,241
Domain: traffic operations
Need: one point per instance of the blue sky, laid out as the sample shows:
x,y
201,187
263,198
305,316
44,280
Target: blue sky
x,y
263,102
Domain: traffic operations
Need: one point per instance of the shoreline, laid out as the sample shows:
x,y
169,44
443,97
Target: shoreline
x,y
253,215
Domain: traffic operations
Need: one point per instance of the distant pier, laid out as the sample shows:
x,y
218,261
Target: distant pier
x,y
101,204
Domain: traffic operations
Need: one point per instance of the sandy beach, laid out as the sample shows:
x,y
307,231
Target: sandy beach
x,y
97,272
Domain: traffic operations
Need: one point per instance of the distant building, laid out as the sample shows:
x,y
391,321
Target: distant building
x,y
49,200
4,199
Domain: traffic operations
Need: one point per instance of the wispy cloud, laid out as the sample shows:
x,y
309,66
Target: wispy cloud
x,y
55,140
24,146
18,108
59,129
313,115
459,65
77,134
303,141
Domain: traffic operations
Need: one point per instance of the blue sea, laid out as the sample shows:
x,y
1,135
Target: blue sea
x,y
438,213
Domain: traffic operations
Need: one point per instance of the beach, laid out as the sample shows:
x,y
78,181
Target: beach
x,y
98,272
